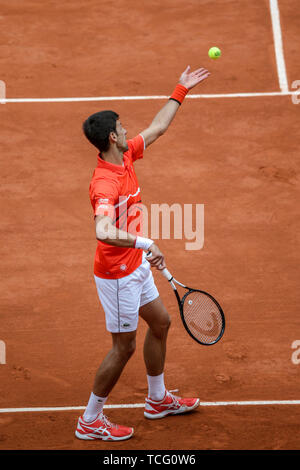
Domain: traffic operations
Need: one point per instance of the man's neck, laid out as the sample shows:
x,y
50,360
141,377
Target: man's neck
x,y
113,155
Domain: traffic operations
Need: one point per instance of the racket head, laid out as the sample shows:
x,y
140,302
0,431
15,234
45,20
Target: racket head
x,y
202,317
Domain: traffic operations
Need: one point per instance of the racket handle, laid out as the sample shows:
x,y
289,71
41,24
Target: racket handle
x,y
165,272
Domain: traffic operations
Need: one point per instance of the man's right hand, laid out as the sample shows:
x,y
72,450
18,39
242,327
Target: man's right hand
x,y
156,259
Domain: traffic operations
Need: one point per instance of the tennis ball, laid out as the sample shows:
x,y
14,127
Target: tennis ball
x,y
214,53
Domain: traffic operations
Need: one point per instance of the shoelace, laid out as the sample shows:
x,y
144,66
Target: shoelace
x,y
107,422
175,399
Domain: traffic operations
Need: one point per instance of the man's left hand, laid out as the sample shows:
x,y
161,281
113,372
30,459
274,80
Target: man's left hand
x,y
191,79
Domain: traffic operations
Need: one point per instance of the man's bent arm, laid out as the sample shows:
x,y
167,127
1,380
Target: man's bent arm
x,y
108,233
165,116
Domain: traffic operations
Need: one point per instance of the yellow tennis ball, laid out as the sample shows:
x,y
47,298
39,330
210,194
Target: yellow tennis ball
x,y
214,53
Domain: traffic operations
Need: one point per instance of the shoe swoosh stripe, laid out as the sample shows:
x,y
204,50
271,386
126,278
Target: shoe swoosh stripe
x,y
92,430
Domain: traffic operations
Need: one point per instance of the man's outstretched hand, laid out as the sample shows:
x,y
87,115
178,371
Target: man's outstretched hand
x,y
191,79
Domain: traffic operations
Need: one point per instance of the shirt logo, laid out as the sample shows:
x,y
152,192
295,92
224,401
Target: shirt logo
x,y
123,267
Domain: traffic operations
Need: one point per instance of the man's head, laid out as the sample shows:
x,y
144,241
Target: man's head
x,y
103,129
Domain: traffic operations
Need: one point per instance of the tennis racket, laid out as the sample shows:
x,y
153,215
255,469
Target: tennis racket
x,y
201,314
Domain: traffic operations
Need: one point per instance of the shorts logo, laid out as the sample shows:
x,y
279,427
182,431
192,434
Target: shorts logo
x,y
125,325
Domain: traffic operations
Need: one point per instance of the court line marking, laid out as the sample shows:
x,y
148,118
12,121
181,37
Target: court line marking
x,y
141,405
150,97
281,68
280,62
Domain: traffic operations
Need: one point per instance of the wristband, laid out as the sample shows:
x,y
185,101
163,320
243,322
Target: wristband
x,y
143,243
179,93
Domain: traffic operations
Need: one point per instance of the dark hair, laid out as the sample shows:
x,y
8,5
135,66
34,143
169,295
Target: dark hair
x,y
98,126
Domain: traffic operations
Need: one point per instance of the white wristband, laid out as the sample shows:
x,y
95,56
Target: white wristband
x,y
143,243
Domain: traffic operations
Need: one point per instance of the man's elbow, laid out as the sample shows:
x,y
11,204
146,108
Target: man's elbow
x,y
101,236
104,228
161,130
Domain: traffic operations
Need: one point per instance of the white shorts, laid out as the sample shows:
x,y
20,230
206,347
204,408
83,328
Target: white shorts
x,y
122,298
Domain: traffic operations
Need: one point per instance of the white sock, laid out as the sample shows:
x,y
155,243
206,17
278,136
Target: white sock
x,y
156,387
94,407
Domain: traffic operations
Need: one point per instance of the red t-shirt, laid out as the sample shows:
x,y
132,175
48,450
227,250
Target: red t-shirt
x,y
114,191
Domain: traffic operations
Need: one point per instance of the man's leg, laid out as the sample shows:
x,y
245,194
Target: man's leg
x,y
109,371
160,402
120,299
158,320
113,364
93,424
120,302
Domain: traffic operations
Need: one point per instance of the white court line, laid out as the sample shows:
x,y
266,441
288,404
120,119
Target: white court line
x,y
141,405
281,68
151,97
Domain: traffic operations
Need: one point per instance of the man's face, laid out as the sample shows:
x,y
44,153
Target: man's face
x,y
121,137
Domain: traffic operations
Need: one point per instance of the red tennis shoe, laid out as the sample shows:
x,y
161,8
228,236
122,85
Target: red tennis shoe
x,y
102,429
170,405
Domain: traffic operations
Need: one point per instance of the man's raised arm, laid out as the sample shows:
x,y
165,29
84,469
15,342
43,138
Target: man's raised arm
x,y
165,116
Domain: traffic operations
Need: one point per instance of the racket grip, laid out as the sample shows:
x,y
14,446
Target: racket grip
x,y
167,274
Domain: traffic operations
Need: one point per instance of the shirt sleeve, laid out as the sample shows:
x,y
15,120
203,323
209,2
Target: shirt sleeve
x,y
104,196
136,146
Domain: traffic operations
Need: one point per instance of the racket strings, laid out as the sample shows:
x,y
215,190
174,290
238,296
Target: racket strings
x,y
203,317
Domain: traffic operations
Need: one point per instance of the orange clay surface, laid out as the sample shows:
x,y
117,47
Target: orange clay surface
x,y
237,156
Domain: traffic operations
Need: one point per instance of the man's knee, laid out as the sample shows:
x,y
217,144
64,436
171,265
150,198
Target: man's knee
x,y
161,328
157,317
125,346
166,322
130,347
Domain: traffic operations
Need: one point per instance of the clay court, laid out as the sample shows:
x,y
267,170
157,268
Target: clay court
x,y
233,146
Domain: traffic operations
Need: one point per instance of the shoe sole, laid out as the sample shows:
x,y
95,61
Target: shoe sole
x,y
92,437
162,414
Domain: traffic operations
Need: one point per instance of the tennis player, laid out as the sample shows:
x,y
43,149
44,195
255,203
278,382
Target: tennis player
x,y
122,273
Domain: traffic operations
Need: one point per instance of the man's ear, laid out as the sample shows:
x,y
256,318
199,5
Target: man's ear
x,y
112,137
